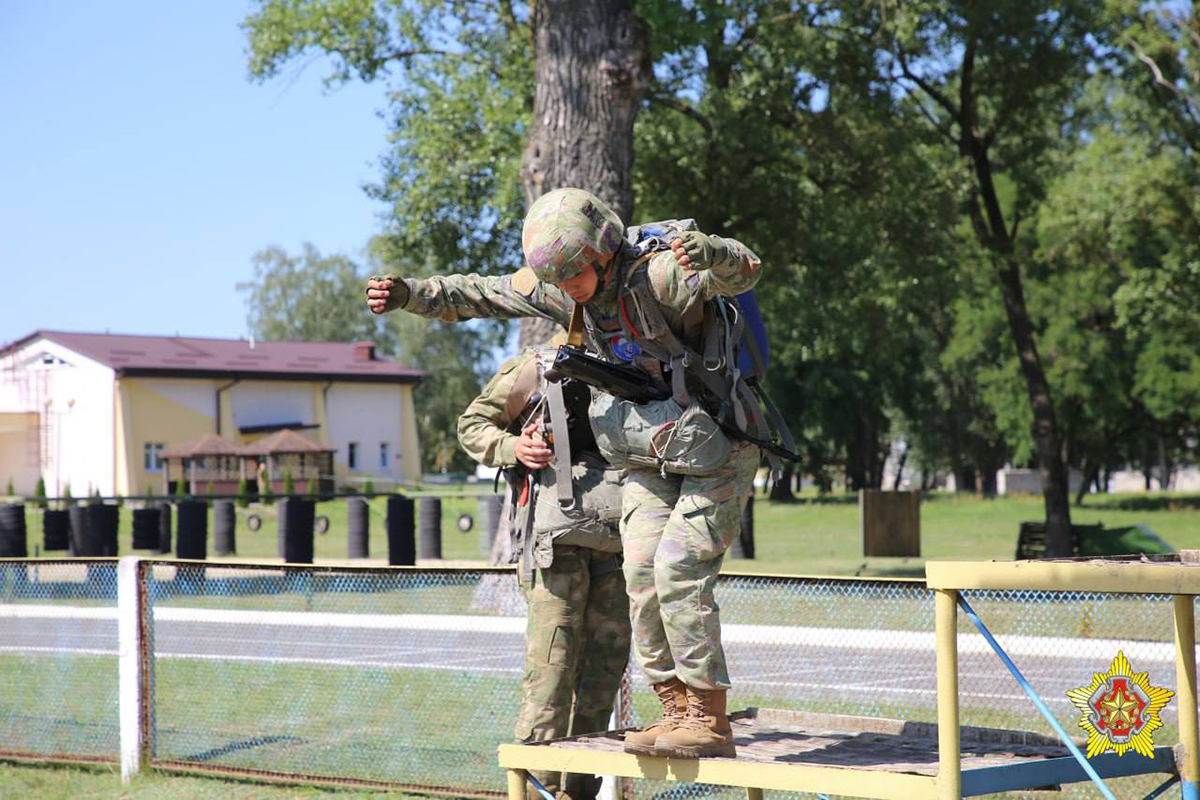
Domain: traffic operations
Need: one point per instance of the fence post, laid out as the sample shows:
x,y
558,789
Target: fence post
x,y
133,660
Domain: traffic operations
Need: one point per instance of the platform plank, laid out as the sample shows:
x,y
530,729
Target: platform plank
x,y
770,736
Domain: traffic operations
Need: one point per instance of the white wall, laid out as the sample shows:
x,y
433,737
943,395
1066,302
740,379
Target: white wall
x,y
196,394
271,403
367,414
76,404
20,452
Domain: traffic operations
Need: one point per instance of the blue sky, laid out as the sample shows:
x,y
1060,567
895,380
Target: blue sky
x,y
140,169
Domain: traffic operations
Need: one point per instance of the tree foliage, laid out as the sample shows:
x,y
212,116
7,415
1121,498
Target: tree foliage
x,y
978,221
310,297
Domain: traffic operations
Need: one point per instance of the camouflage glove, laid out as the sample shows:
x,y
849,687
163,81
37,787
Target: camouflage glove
x,y
397,295
699,250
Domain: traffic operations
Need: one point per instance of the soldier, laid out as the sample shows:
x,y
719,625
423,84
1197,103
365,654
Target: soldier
x,y
651,296
577,631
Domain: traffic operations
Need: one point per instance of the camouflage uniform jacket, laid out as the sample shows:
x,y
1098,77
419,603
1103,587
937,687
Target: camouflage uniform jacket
x,y
488,431
677,290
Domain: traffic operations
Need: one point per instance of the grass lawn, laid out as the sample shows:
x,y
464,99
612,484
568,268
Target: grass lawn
x,y
814,536
52,781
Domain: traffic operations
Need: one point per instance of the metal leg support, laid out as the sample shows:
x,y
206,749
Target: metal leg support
x,y
516,784
1185,678
754,793
949,756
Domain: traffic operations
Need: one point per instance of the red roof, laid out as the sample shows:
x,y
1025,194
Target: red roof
x,y
284,441
210,444
184,356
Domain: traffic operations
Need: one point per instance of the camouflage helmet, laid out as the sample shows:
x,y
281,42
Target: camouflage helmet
x,y
567,229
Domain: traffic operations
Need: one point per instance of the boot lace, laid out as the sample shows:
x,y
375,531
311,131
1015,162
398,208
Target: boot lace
x,y
697,718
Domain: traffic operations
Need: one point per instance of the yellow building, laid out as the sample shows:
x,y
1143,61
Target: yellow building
x,y
95,411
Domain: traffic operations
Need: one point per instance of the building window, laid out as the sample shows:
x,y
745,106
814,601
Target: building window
x,y
352,455
152,456
383,455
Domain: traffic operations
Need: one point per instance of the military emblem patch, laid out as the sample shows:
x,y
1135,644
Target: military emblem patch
x,y
624,349
1120,709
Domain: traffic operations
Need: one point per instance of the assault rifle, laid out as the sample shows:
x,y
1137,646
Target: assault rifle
x,y
630,383
620,380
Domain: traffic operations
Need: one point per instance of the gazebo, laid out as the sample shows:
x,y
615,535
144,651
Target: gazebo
x,y
211,459
286,450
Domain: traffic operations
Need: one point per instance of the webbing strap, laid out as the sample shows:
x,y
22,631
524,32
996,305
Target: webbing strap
x,y
575,329
732,331
563,486
527,534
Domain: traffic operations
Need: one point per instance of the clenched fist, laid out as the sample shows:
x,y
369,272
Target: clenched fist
x,y
696,250
386,293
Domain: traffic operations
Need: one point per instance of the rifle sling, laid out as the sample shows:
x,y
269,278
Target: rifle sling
x,y
562,446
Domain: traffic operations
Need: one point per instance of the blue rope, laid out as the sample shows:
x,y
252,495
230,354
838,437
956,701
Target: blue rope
x,y
537,785
1037,701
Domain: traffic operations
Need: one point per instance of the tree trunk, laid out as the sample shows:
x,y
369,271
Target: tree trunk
x,y
782,488
592,70
992,231
1091,474
964,478
988,481
900,468
1052,469
1164,471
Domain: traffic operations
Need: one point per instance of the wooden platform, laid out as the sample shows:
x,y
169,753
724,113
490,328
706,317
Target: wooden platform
x,y
833,754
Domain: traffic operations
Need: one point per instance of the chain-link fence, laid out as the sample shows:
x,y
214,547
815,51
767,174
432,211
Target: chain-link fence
x,y
409,676
58,660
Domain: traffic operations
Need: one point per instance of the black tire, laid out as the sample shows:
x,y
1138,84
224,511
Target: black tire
x,y
322,524
465,523
254,522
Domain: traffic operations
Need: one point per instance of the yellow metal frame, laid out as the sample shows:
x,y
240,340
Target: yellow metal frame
x,y
1110,577
946,579
754,776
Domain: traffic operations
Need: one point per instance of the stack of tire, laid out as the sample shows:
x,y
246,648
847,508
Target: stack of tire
x,y
56,530
12,531
147,523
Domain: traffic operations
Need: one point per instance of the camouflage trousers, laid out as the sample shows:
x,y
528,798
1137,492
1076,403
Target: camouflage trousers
x,y
674,531
576,649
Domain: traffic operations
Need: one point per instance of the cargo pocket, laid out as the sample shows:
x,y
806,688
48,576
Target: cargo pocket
x,y
561,649
710,527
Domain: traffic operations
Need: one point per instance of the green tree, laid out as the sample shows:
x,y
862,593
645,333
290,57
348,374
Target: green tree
x,y
8,489
310,297
546,96
243,498
289,484
39,492
754,112
999,84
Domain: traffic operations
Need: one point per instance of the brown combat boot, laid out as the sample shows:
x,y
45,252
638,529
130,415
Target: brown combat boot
x,y
673,695
704,733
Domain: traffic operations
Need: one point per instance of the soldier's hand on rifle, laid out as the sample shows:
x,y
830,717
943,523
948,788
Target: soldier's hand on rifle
x,y
385,293
531,449
696,250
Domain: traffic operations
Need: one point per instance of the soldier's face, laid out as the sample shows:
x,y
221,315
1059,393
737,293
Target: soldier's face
x,y
582,286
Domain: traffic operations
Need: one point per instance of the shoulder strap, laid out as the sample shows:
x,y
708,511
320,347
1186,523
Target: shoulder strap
x,y
575,329
563,485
